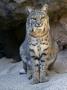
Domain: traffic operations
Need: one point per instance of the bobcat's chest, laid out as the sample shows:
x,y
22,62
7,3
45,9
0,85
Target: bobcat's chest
x,y
38,45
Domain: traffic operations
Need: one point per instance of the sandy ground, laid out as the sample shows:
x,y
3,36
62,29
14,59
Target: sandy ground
x,y
10,79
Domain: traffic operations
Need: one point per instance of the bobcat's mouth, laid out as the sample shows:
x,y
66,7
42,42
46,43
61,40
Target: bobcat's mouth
x,y
38,33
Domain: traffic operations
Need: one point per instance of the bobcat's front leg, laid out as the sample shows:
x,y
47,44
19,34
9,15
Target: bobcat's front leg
x,y
35,65
43,69
36,73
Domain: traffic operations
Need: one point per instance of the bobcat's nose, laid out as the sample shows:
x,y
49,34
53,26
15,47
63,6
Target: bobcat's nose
x,y
38,25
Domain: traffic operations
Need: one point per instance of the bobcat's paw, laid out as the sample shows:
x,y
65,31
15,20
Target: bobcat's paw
x,y
44,79
35,81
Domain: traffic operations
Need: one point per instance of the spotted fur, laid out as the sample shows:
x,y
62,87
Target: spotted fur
x,y
42,49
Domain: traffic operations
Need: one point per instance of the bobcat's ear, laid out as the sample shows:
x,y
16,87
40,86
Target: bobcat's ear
x,y
29,9
45,8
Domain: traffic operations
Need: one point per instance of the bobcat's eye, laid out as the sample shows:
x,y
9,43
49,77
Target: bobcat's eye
x,y
33,20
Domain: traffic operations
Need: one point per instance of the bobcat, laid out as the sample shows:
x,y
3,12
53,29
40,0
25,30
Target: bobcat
x,y
39,47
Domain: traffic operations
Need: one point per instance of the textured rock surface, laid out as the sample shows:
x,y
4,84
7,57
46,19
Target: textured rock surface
x,y
59,32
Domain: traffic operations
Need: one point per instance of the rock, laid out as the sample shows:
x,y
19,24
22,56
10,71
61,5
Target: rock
x,y
59,32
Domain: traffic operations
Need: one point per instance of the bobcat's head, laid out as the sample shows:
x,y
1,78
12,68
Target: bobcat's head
x,y
38,22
